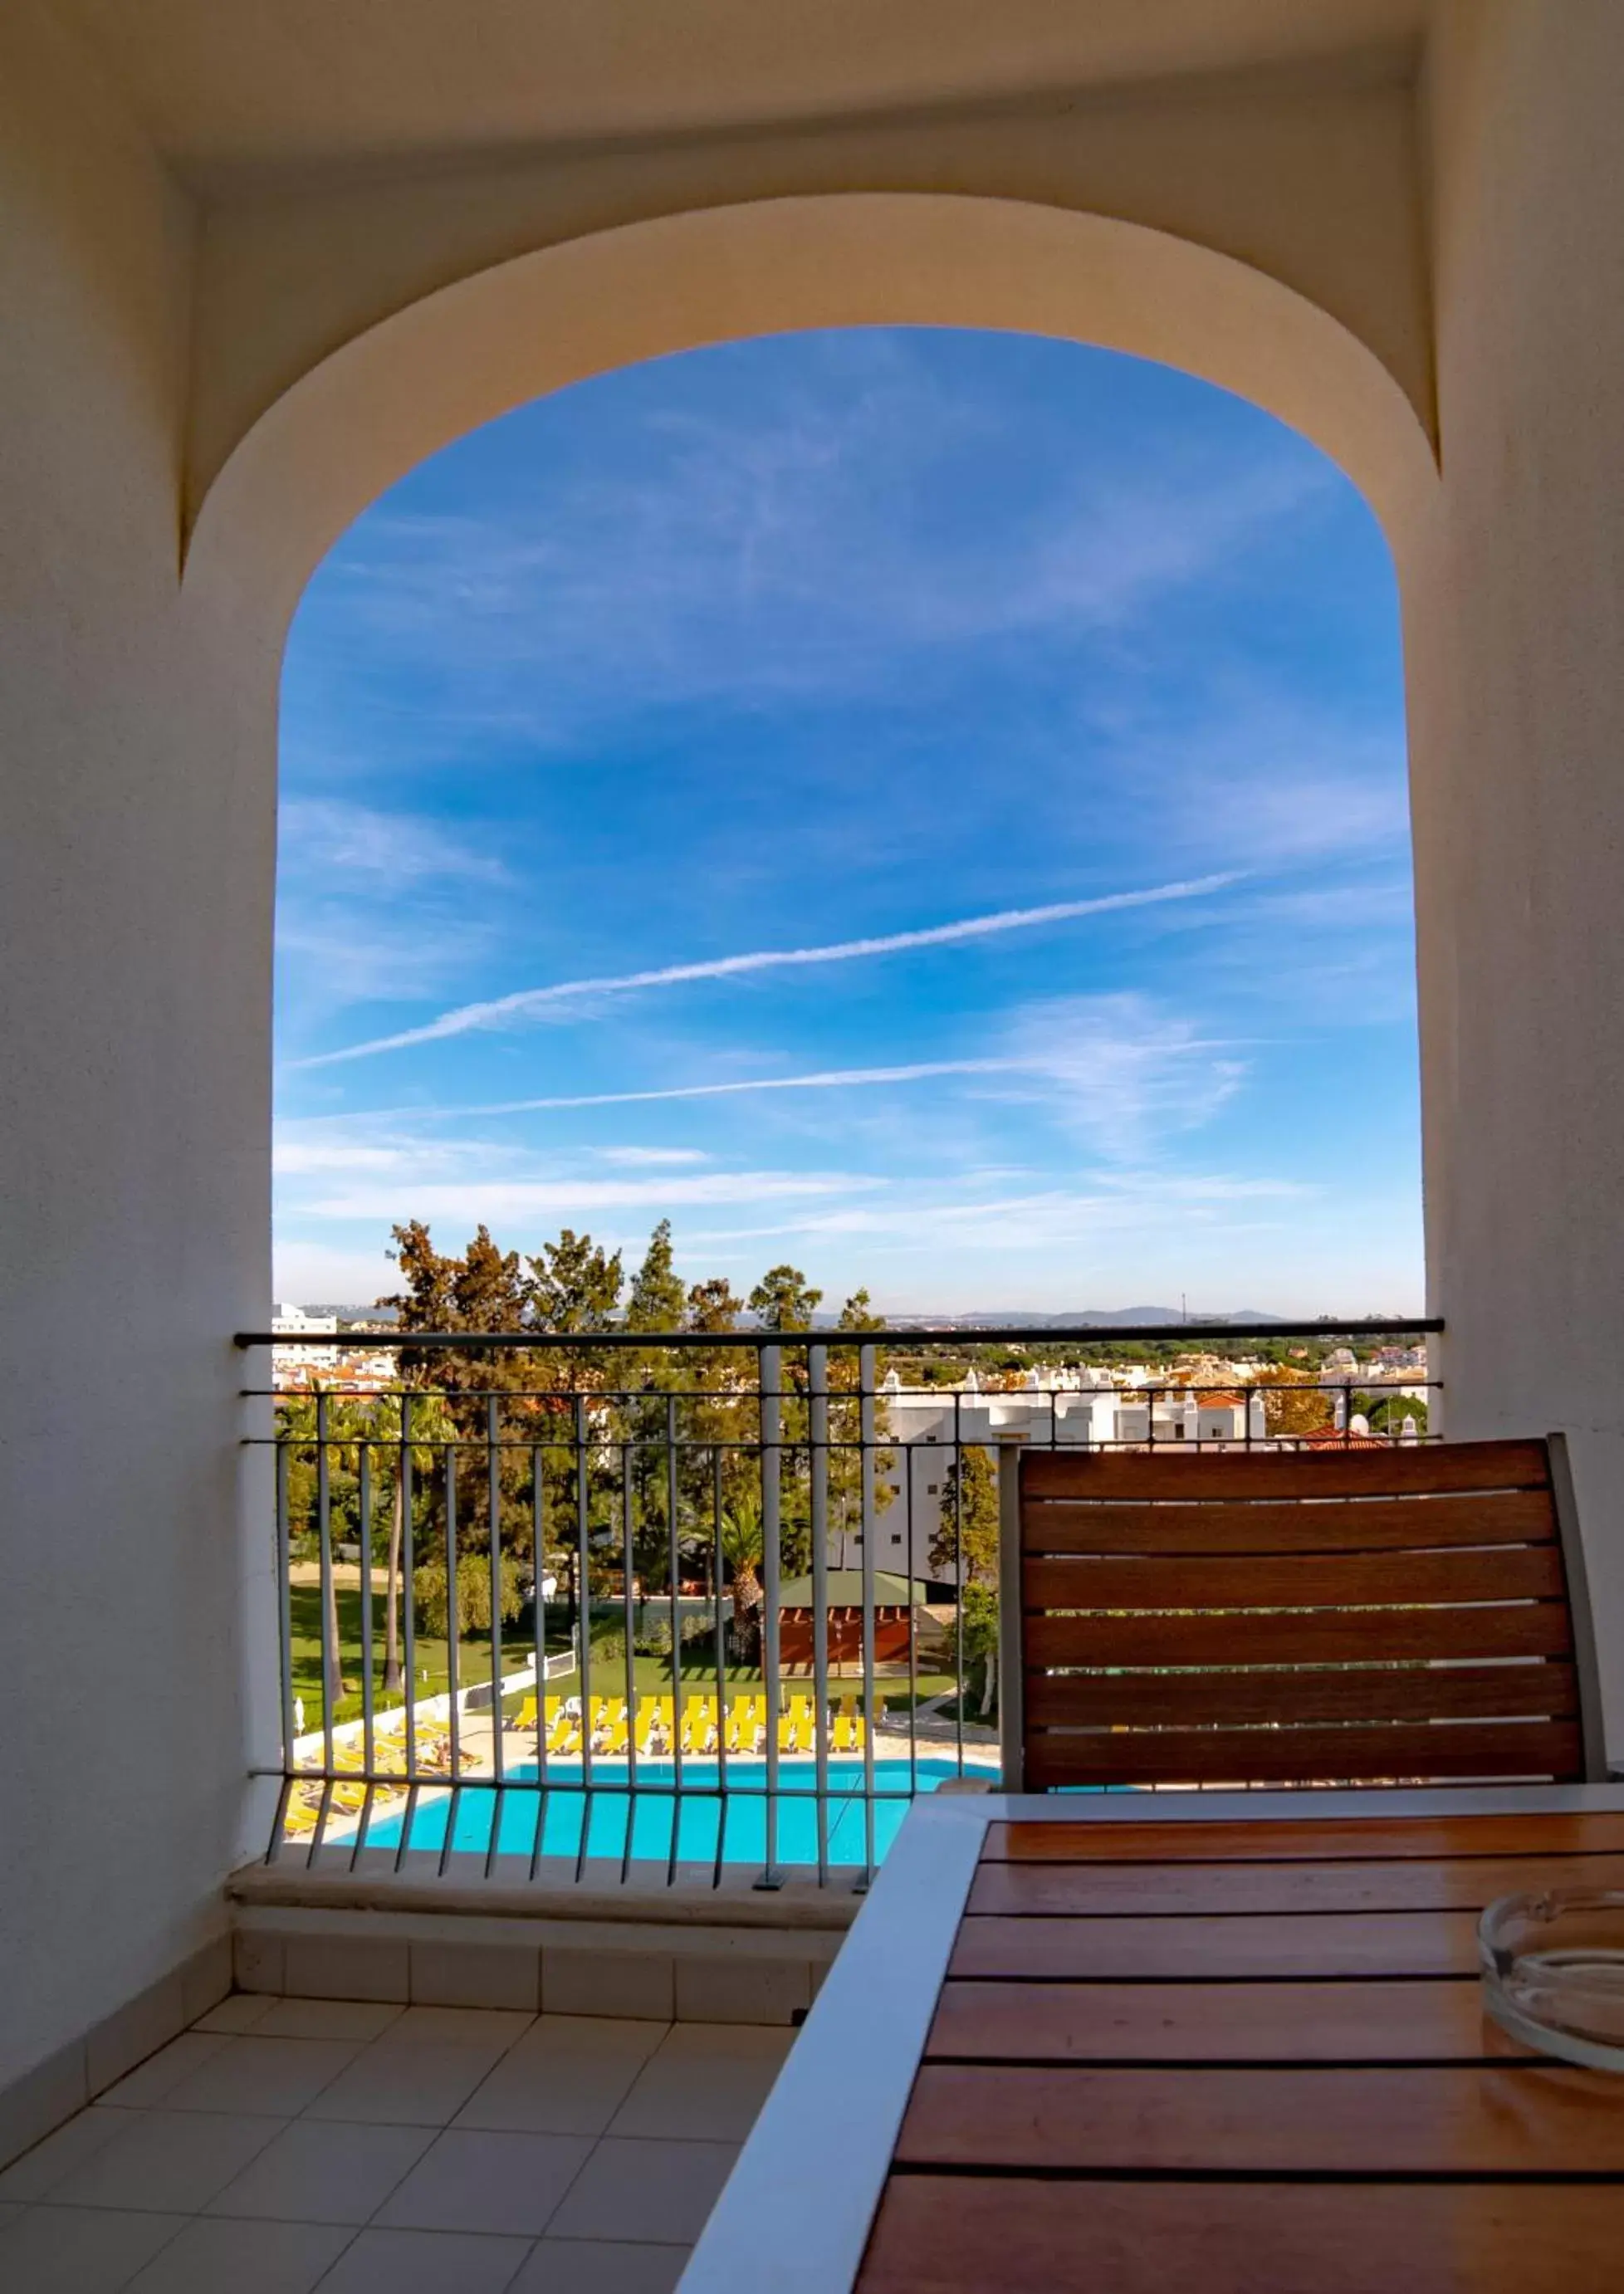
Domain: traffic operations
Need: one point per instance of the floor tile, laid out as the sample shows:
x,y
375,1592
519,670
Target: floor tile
x,y
79,2249
638,2191
593,2266
155,2079
568,2075
744,2042
39,2170
495,2182
167,2160
277,2077
243,2258
610,2037
425,2261
324,2172
328,2019
459,2026
239,2010
707,2083
404,2086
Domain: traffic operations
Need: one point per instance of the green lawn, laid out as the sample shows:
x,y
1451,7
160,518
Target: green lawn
x,y
651,1674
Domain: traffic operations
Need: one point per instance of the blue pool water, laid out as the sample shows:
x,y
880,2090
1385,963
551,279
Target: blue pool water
x,y
651,1811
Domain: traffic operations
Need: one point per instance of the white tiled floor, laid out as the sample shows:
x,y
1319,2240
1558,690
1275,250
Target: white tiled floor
x,y
287,2144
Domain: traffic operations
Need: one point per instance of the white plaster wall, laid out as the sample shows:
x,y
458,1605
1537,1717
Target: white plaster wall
x,y
1515,642
136,882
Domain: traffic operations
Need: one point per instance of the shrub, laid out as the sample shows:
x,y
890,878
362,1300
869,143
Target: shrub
x,y
473,1595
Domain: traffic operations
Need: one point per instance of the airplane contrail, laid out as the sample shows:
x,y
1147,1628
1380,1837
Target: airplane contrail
x,y
504,1009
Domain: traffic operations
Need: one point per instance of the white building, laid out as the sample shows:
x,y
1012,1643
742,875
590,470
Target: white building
x,y
1072,1409
290,1365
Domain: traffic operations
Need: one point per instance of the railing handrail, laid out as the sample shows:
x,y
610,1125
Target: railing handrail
x,y
1098,1334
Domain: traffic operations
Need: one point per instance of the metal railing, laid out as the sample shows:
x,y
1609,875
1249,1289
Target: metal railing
x,y
639,1601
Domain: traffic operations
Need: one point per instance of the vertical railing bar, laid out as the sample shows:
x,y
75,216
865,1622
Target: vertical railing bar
x,y
769,1377
626,1512
1347,1417
913,1632
958,1575
493,1480
538,1552
721,1662
364,1501
274,1852
407,1822
329,1595
583,1623
284,1564
453,1621
323,1813
868,1434
454,1670
817,1414
408,1604
675,1565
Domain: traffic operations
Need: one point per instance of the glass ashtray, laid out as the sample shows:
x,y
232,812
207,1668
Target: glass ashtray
x,y
1553,1972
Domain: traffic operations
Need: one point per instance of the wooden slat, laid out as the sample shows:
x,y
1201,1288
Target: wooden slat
x,y
1240,1637
1305,1839
1537,1751
1525,2119
1459,1884
1275,1949
1439,2022
1301,1581
1198,1473
964,2233
1546,1686
1289,1525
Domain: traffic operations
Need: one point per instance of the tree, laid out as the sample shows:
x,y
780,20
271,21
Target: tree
x,y
657,1297
784,1299
1385,1413
473,1596
744,1550
1294,1403
967,1524
976,1636
574,1285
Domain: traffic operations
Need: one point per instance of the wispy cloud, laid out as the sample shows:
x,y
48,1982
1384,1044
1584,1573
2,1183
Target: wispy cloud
x,y
504,1010
637,1158
521,1199
343,839
1122,1071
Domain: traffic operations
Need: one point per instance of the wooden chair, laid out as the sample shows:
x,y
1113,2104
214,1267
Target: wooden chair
x,y
1357,1616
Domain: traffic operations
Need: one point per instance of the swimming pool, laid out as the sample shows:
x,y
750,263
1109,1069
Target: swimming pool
x,y
652,1810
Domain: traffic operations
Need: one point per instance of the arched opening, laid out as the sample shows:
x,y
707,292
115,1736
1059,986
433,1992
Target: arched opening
x,y
271,495
976,735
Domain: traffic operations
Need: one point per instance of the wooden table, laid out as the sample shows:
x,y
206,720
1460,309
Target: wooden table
x,y
1228,2044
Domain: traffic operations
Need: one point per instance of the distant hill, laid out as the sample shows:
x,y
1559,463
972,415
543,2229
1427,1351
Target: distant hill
x,y
990,1318
1104,1318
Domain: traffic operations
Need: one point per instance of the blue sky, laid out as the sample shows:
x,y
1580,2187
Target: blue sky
x,y
929,806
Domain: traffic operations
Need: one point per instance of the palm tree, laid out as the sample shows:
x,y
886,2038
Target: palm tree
x,y
744,1549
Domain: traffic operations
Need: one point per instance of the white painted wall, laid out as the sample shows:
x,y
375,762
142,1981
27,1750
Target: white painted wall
x,y
1516,643
136,882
